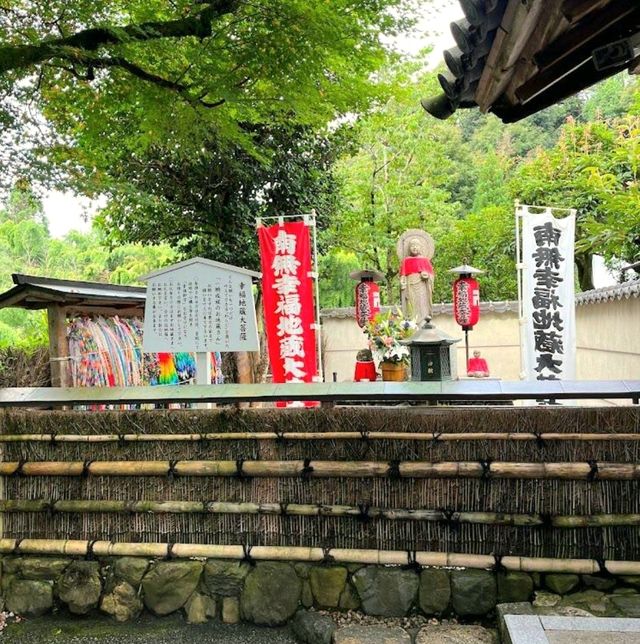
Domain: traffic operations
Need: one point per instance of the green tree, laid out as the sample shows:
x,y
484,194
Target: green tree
x,y
402,175
612,98
207,204
117,78
593,168
491,188
486,240
336,287
26,247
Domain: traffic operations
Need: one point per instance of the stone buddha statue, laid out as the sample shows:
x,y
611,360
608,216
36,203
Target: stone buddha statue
x,y
415,250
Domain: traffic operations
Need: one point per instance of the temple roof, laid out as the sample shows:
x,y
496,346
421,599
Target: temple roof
x,y
517,57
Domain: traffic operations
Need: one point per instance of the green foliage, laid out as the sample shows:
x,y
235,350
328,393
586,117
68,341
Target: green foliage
x,y
491,188
26,247
458,180
336,287
128,77
612,98
207,204
484,239
593,168
401,176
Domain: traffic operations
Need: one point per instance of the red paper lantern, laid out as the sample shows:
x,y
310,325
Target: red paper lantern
x,y
367,302
466,302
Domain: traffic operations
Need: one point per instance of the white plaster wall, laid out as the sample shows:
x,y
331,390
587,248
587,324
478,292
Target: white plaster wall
x,y
607,340
495,336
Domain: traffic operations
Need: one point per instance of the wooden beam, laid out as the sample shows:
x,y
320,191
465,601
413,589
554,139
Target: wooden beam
x,y
551,24
583,76
585,33
245,372
575,71
377,392
518,23
125,312
58,345
574,10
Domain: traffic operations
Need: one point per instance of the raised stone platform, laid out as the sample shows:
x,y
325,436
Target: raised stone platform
x,y
551,629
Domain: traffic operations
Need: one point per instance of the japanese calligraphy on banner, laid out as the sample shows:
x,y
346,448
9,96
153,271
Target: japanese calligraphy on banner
x,y
200,306
287,287
548,295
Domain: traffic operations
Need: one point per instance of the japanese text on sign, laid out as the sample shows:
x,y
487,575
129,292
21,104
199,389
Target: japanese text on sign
x,y
549,297
200,308
288,299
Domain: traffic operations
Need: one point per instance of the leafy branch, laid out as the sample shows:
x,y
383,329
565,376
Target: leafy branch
x,y
17,57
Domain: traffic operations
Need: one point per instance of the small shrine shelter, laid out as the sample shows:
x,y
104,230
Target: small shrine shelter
x,y
65,299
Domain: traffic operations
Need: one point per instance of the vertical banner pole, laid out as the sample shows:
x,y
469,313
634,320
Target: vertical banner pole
x,y
466,348
316,270
519,269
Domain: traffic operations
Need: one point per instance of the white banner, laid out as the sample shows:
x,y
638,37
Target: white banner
x,y
548,307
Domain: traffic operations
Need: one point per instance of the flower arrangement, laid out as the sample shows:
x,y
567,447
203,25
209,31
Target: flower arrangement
x,y
386,331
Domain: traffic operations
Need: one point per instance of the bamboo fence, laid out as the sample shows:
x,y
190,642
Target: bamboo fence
x,y
327,469
314,555
361,512
551,483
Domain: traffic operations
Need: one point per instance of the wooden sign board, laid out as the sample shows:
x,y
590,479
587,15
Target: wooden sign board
x,y
200,306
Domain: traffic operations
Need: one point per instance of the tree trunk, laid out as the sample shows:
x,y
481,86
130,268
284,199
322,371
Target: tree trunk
x,y
584,263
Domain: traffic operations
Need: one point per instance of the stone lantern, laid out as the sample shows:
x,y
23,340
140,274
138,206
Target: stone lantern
x,y
433,357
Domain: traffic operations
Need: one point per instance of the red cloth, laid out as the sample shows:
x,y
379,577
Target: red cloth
x,y
477,364
289,312
365,371
411,265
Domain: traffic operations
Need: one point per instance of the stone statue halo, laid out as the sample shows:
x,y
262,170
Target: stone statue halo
x,y
427,245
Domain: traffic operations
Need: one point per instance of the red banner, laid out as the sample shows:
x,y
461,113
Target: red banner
x,y
287,287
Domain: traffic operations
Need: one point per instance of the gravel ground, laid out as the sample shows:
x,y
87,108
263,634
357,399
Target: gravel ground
x,y
152,630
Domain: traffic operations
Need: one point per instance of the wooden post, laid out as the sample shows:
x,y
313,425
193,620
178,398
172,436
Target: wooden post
x,y
58,345
203,374
245,372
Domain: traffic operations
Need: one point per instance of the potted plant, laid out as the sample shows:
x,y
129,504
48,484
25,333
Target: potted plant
x,y
385,332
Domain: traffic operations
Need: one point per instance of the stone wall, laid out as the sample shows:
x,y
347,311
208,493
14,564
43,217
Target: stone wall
x,y
271,593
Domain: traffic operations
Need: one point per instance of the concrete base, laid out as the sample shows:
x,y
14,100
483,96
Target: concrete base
x,y
543,629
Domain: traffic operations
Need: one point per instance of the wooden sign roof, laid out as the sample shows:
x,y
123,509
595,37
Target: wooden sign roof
x,y
32,292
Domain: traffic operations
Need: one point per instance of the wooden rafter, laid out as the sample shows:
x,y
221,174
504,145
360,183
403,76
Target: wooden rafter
x,y
584,32
517,25
551,24
571,59
576,9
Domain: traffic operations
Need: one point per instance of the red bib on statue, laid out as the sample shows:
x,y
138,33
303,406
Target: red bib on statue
x,y
411,265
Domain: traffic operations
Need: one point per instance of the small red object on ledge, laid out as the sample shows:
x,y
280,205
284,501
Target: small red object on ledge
x,y
365,371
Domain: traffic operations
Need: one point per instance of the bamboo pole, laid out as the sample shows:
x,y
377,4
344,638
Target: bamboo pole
x,y
301,509
303,436
329,469
309,554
